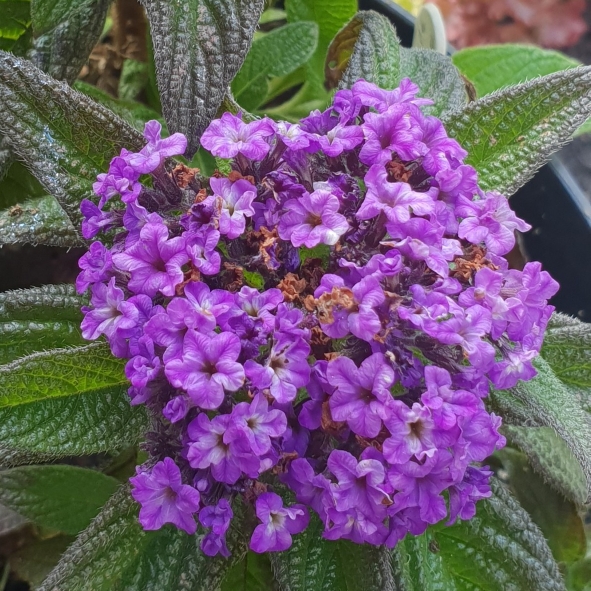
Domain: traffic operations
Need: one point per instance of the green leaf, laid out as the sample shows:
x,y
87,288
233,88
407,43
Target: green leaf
x,y
15,26
277,53
70,426
63,498
557,518
252,573
39,319
545,402
490,67
136,114
511,133
550,456
567,349
330,16
65,32
199,46
313,563
322,252
34,561
64,137
134,78
366,47
59,373
18,184
115,554
253,279
500,549
38,221
437,79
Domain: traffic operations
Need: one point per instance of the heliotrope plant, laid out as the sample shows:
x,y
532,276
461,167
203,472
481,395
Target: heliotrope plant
x,y
295,342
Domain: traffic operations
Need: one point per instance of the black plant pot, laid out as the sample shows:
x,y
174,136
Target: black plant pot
x,y
552,202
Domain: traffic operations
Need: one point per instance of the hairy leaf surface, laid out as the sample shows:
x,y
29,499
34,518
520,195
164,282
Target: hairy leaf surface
x,y
115,554
510,133
366,47
64,137
545,401
199,46
500,549
63,498
315,564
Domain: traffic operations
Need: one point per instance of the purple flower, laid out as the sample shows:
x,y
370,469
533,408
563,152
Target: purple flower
x,y
236,203
420,485
413,432
134,219
258,423
217,517
292,135
256,305
364,322
278,524
109,312
360,484
491,221
143,367
372,96
176,408
362,395
164,498
463,496
96,265
156,150
154,261
207,367
318,389
229,136
201,246
394,130
285,370
95,220
397,200
213,445
516,365
339,139
121,178
310,488
313,219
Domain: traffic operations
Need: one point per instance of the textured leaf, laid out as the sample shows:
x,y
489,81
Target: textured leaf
x,y
65,32
33,562
38,221
134,78
315,564
546,402
70,426
500,549
557,517
437,78
199,46
567,349
330,16
550,456
136,114
15,25
511,133
277,53
18,184
64,137
252,573
490,67
10,521
63,498
115,554
59,373
366,47
38,319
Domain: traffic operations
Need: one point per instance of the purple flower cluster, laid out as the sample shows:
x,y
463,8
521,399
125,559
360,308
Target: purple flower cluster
x,y
327,318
